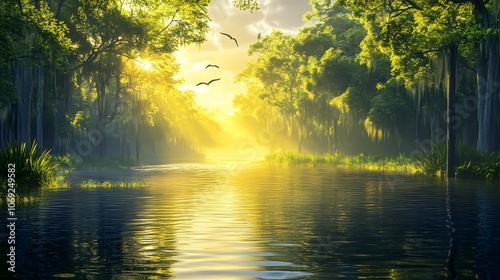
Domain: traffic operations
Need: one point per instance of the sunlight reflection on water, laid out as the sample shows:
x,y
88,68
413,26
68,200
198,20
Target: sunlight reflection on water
x,y
208,221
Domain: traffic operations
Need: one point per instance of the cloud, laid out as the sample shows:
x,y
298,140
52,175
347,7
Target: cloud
x,y
285,15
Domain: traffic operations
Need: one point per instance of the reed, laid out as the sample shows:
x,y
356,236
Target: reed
x,y
33,168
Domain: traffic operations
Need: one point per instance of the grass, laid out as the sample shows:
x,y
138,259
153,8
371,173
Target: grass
x,y
399,163
31,168
27,170
91,184
469,162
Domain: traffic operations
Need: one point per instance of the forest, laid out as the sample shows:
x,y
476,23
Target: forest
x,y
96,79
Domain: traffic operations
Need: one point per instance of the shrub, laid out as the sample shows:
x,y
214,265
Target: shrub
x,y
32,167
432,162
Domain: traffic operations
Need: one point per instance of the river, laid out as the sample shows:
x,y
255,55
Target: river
x,y
236,221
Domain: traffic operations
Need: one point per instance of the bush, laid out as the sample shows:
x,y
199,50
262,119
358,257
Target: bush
x,y
68,162
432,162
32,167
468,161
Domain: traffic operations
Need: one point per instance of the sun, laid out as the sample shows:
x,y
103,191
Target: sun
x,y
145,64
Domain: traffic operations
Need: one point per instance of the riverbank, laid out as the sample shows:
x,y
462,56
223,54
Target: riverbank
x,y
469,164
364,161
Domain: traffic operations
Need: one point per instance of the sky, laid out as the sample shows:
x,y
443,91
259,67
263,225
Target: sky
x,y
284,15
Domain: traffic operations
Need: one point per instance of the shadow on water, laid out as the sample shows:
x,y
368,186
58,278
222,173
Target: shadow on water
x,y
236,221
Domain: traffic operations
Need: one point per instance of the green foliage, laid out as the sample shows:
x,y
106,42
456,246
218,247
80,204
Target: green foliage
x,y
20,199
390,108
489,166
32,167
400,163
432,162
68,162
321,92
91,184
250,5
7,90
469,162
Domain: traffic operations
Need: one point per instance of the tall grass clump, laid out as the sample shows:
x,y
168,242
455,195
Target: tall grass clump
x,y
468,162
33,168
432,162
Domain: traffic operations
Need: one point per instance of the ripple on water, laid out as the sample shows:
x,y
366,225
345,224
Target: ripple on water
x,y
202,221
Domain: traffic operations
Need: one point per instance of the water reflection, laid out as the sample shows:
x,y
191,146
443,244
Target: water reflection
x,y
224,221
216,238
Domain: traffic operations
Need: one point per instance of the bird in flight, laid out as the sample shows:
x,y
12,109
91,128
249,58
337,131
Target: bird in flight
x,y
203,83
211,65
230,37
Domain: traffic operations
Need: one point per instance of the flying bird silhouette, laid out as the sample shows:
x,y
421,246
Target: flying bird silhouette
x,y
230,37
211,65
203,83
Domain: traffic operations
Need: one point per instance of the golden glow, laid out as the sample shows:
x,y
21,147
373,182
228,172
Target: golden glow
x,y
145,64
375,133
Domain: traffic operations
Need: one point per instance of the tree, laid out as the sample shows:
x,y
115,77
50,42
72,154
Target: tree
x,y
278,71
416,30
71,56
31,34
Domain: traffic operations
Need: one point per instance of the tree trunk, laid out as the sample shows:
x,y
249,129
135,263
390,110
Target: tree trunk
x,y
450,117
24,90
62,105
329,137
137,141
100,85
299,144
488,83
39,108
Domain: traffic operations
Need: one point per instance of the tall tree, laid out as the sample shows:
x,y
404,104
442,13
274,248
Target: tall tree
x,y
418,30
37,33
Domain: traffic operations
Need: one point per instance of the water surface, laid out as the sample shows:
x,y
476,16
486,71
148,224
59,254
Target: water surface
x,y
228,221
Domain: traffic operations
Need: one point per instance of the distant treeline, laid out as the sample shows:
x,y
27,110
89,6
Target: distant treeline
x,y
372,76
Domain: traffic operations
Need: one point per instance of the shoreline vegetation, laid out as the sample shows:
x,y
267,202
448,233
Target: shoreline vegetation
x,y
36,170
28,171
469,163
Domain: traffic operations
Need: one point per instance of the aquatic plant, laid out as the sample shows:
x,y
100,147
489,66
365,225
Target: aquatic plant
x,y
91,184
432,162
20,199
469,162
400,163
33,168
